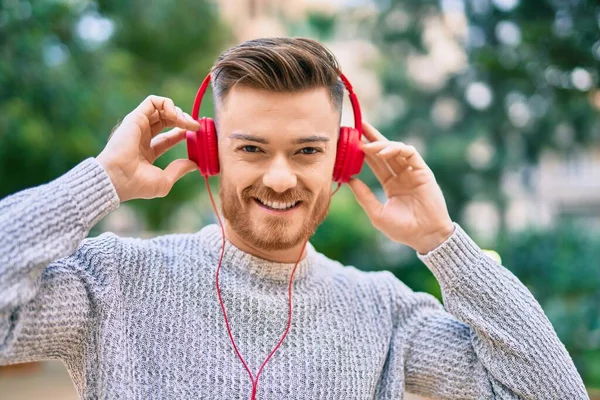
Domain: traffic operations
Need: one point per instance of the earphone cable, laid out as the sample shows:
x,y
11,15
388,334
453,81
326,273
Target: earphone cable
x,y
289,322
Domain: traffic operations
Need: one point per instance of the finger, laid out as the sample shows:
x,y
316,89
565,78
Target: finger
x,y
397,165
192,124
396,154
158,122
375,147
380,168
400,151
187,123
150,109
184,120
373,134
153,103
173,172
172,115
155,117
388,153
366,198
180,117
159,126
165,141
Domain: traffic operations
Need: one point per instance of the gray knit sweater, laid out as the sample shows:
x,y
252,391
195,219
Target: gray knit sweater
x,y
140,319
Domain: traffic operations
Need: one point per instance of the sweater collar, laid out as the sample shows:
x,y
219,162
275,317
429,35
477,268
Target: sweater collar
x,y
238,261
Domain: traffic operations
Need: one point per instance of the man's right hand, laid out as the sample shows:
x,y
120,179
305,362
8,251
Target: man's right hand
x,y
131,150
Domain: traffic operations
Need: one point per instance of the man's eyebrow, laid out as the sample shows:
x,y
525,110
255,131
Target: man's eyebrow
x,y
249,138
256,139
311,139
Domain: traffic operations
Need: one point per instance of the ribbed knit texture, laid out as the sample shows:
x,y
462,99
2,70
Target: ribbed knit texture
x,y
140,319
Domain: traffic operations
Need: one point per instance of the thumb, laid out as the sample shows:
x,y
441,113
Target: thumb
x,y
366,198
176,170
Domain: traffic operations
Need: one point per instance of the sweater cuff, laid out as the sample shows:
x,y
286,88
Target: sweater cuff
x,y
456,259
92,190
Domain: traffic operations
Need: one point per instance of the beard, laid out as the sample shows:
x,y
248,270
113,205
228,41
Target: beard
x,y
272,232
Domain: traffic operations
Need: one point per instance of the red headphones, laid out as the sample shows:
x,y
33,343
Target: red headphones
x,y
202,145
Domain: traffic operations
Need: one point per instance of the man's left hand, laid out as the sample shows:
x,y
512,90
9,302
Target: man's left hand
x,y
415,212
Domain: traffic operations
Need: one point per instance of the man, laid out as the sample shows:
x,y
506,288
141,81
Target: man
x,y
141,319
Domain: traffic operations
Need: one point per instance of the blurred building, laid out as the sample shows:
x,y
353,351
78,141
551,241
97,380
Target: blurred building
x,y
259,18
250,19
558,189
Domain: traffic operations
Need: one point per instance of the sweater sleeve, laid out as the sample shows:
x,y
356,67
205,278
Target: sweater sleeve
x,y
493,341
46,268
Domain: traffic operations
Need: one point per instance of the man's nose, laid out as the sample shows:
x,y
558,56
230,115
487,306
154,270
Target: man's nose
x,y
280,176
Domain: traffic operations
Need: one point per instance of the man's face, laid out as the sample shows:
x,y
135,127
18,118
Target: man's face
x,y
276,152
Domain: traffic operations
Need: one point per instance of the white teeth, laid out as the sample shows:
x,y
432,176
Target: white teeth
x,y
278,205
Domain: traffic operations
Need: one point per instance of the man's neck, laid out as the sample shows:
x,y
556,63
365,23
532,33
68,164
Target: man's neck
x,y
282,256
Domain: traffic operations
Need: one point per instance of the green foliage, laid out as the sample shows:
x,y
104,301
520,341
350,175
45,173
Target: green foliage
x,y
560,267
538,60
62,91
323,24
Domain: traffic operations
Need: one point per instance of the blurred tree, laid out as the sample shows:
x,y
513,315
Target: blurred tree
x,y
69,71
484,86
560,268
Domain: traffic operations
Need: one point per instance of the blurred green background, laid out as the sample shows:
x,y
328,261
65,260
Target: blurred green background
x,y
500,97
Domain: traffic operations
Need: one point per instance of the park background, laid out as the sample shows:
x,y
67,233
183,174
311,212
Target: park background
x,y
499,96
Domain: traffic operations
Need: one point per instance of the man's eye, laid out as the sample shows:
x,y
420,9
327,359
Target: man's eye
x,y
309,150
250,149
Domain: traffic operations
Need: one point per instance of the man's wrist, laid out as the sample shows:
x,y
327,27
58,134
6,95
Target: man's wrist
x,y
92,191
112,173
432,241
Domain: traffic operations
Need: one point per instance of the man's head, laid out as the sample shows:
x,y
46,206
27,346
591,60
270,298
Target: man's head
x,y
278,106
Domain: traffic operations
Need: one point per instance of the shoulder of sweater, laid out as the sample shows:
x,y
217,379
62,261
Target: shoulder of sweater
x,y
110,246
94,259
384,281
110,254
384,286
161,242
105,245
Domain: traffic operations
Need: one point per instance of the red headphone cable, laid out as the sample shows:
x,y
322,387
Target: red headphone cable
x,y
254,382
289,323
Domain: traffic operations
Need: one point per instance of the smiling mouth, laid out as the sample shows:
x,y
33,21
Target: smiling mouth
x,y
276,205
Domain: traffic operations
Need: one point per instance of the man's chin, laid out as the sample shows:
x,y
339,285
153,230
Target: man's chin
x,y
270,231
284,239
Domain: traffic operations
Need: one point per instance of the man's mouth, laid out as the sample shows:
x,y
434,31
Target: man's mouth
x,y
277,205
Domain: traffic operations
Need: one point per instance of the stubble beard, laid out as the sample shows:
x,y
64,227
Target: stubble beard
x,y
272,232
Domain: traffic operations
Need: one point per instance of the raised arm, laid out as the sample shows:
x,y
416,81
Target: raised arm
x,y
49,274
43,300
495,342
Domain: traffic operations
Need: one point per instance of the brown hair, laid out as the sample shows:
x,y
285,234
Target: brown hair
x,y
278,65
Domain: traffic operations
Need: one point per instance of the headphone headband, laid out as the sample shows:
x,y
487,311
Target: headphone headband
x,y
353,101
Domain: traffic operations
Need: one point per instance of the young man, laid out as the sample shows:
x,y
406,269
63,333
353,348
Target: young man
x,y
141,319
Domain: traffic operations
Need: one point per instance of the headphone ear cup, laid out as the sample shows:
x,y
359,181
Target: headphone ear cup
x,y
202,147
350,157
212,149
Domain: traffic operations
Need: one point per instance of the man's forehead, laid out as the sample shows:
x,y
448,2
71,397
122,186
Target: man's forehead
x,y
308,103
266,117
